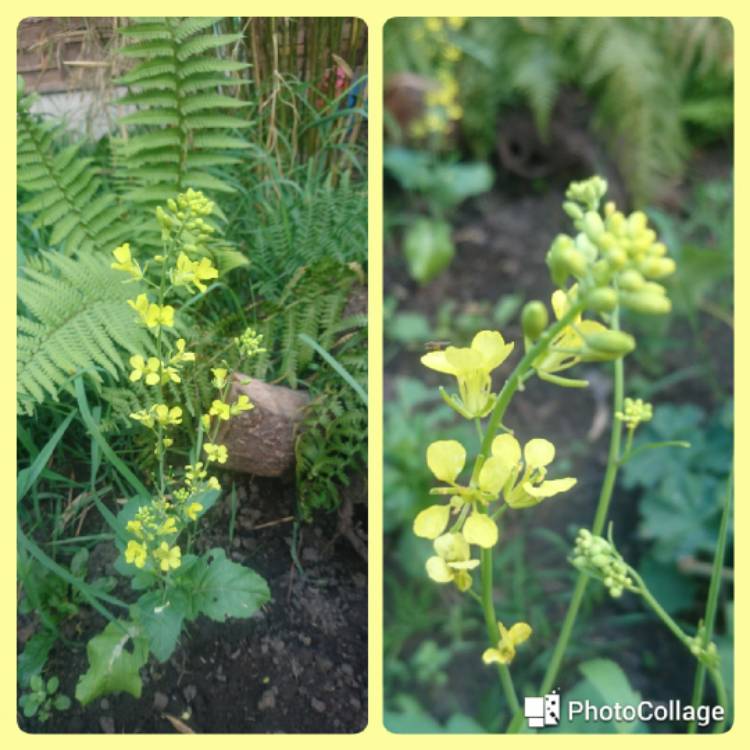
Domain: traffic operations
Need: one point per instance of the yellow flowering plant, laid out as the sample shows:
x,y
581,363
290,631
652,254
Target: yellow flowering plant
x,y
614,261
155,532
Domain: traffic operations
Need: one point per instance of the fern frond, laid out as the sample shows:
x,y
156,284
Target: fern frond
x,y
179,133
65,191
73,317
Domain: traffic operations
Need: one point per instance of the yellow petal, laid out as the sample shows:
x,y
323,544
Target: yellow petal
x,y
137,362
549,487
492,656
431,522
494,474
519,633
452,547
505,446
560,304
438,570
464,359
446,458
438,361
480,529
538,452
492,346
463,565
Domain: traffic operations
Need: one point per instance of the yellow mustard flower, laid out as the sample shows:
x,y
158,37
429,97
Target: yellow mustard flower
x,y
433,25
166,416
148,369
124,261
213,483
452,53
506,646
188,272
471,367
220,377
168,557
217,453
136,527
452,562
168,527
136,554
193,510
144,417
532,487
151,314
206,421
220,409
456,22
446,459
181,355
241,404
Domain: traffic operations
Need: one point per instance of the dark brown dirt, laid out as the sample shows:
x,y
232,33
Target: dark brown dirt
x,y
299,665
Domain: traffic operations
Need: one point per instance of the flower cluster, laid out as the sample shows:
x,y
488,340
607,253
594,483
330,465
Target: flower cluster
x,y
635,411
441,106
598,557
185,262
616,259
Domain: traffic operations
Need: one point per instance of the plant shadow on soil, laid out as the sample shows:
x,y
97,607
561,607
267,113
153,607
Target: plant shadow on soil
x,y
501,240
298,665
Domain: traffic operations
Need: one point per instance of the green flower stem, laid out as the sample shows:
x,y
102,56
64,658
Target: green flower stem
x,y
516,378
600,518
514,381
712,601
662,614
506,681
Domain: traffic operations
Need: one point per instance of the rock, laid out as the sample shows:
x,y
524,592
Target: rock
x,y
261,441
318,705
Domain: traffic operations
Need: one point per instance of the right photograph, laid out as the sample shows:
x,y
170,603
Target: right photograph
x,y
558,386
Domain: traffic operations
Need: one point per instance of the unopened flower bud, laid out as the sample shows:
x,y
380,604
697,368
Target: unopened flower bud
x,y
603,299
609,344
649,303
534,319
631,280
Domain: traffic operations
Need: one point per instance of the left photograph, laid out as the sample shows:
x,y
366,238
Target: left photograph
x,y
192,375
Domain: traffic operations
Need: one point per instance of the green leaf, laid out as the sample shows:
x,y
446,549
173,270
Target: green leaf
x,y
62,703
116,656
52,684
222,588
428,248
161,622
34,655
604,683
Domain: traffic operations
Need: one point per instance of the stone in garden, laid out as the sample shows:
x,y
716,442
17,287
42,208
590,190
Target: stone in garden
x,y
261,441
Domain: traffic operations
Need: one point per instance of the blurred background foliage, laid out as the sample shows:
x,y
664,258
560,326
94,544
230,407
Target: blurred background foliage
x,y
486,122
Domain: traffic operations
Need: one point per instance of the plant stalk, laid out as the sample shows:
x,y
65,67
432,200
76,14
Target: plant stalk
x,y
712,601
600,518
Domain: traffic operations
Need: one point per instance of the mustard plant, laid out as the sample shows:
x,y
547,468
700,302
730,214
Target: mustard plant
x,y
155,533
613,261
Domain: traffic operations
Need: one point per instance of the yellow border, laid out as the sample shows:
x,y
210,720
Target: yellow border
x,y
375,16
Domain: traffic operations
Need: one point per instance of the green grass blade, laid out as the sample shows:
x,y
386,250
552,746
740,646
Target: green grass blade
x,y
356,387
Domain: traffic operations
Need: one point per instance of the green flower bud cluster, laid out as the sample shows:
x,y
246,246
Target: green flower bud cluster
x,y
250,343
707,654
597,557
634,412
185,213
615,258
